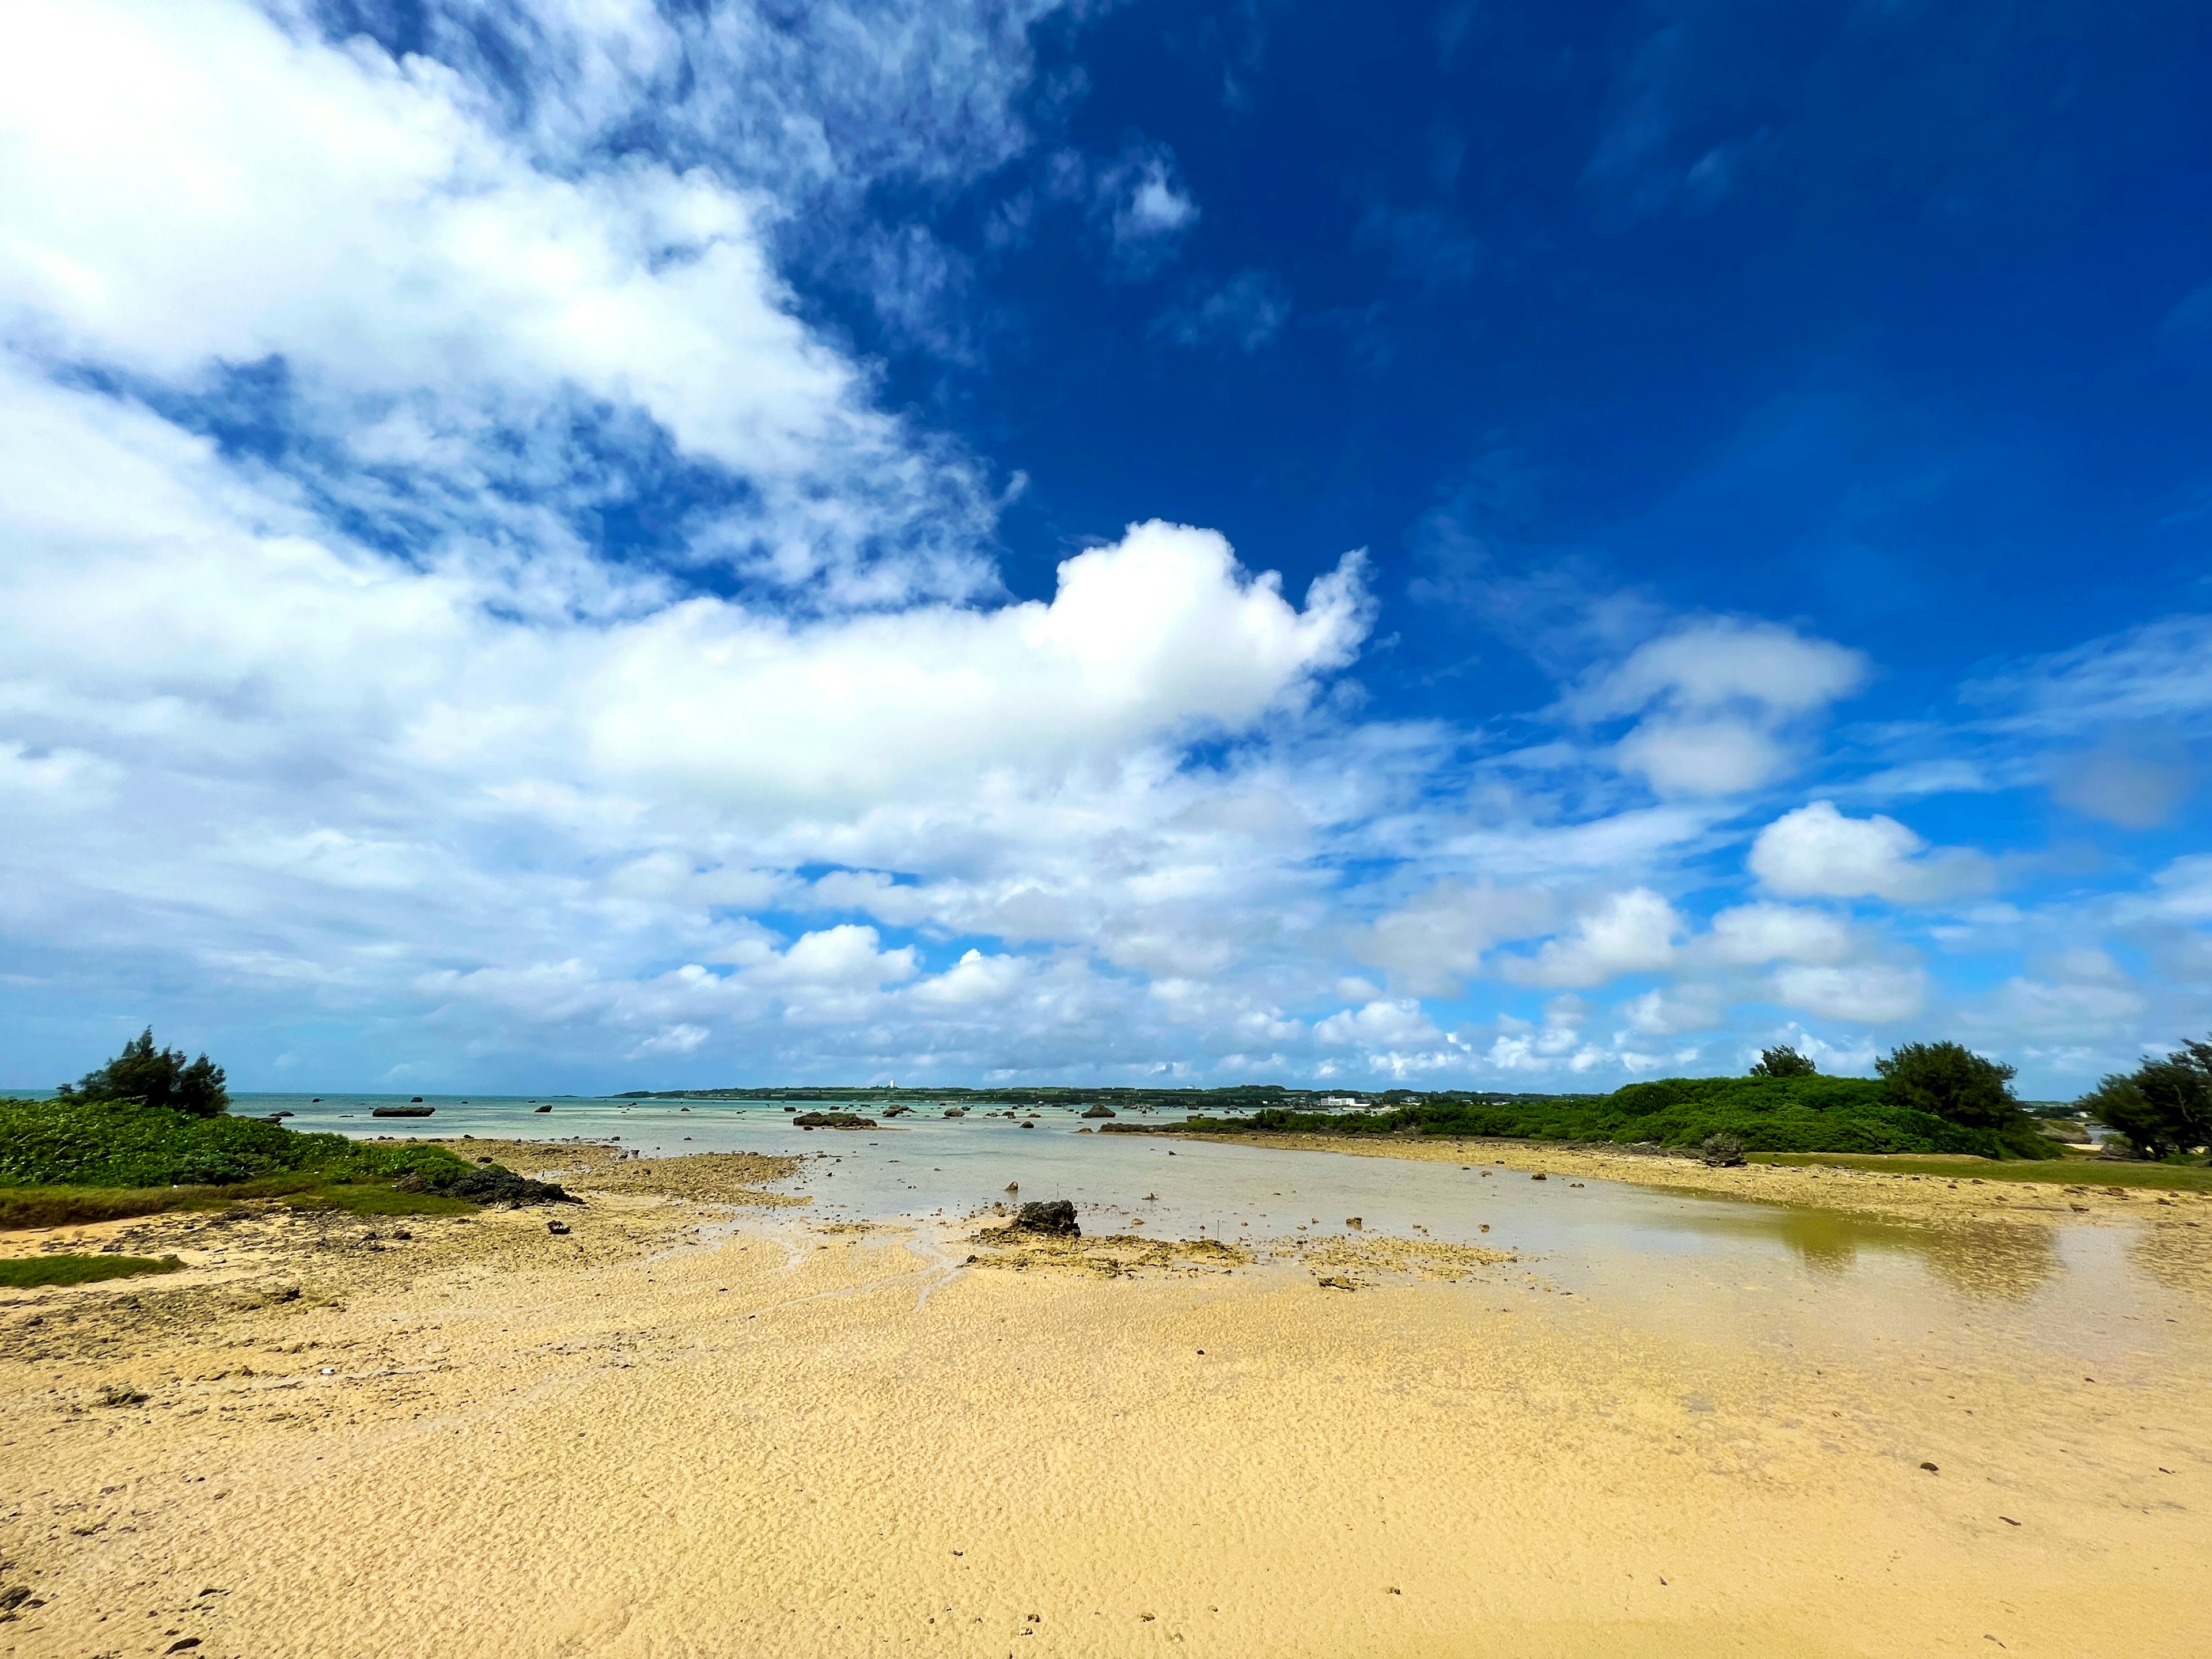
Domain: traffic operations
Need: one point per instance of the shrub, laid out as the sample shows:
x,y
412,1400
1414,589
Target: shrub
x,y
1950,1080
155,1076
1783,1061
2162,1107
116,1142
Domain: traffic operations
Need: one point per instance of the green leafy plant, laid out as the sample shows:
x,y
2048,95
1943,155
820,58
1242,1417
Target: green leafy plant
x,y
155,1076
2164,1107
1950,1080
1783,1061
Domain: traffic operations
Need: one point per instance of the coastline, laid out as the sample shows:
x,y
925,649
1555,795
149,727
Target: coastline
x,y
708,1421
1900,1194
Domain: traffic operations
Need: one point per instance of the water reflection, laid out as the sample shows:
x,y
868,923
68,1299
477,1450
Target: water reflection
x,y
1985,1259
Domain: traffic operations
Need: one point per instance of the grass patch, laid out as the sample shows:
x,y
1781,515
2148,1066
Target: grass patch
x,y
376,1198
27,1271
2067,1171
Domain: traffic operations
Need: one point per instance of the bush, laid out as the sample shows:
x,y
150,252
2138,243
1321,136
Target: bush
x,y
1783,1061
2162,1107
75,1142
155,1076
1950,1080
1805,1114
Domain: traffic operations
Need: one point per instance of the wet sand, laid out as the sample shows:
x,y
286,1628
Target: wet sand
x,y
1900,1194
707,1422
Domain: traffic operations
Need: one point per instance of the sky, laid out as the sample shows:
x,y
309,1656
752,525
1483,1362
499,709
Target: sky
x,y
589,544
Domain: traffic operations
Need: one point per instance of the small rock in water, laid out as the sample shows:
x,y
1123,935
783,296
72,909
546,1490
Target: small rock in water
x,y
548,1108
1013,1186
1354,1222
1538,1177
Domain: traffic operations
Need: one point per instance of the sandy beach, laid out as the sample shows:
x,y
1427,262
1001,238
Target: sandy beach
x,y
710,1420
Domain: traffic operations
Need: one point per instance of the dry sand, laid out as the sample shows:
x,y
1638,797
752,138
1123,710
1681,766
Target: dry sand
x,y
699,1424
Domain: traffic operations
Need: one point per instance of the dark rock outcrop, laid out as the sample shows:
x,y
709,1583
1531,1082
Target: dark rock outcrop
x,y
1055,1218
403,1111
1100,1110
833,1121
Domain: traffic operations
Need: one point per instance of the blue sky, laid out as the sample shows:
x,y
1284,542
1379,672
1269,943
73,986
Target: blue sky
x,y
589,544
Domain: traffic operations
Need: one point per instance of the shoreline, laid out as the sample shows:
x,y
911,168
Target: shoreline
x,y
1900,1194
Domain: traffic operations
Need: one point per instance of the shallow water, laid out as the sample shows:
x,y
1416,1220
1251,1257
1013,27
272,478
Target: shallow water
x,y
1794,1274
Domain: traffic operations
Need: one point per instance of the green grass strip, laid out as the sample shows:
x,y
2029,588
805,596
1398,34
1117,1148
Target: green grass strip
x,y
2074,1171
27,1271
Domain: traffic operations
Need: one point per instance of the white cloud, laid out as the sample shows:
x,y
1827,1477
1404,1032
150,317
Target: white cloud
x,y
1625,933
1751,935
1867,994
1384,1025
1665,1012
1148,207
1815,852
1437,939
1716,701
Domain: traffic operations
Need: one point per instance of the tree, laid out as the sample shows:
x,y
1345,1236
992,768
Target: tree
x,y
1951,1081
1783,1061
2163,1106
155,1076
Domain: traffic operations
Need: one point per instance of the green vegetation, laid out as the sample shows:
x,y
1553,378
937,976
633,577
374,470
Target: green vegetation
x,y
2164,1107
1783,1061
1801,1113
30,1271
2076,1169
76,1142
155,1076
88,1155
1950,1080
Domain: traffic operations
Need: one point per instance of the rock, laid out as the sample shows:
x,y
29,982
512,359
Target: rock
x,y
1336,1282
896,1111
833,1121
556,1227
1539,1175
1029,1126
1055,1218
1721,1151
490,1183
14,1597
1100,1110
956,1111
541,1109
1013,1186
1354,1223
403,1111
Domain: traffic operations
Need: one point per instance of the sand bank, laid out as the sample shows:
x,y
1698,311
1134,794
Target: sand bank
x,y
697,1425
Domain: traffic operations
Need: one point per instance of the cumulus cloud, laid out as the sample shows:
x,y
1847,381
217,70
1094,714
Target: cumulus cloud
x,y
1626,932
1437,939
1816,852
1664,1011
1384,1025
1871,994
1715,702
1752,935
1147,206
